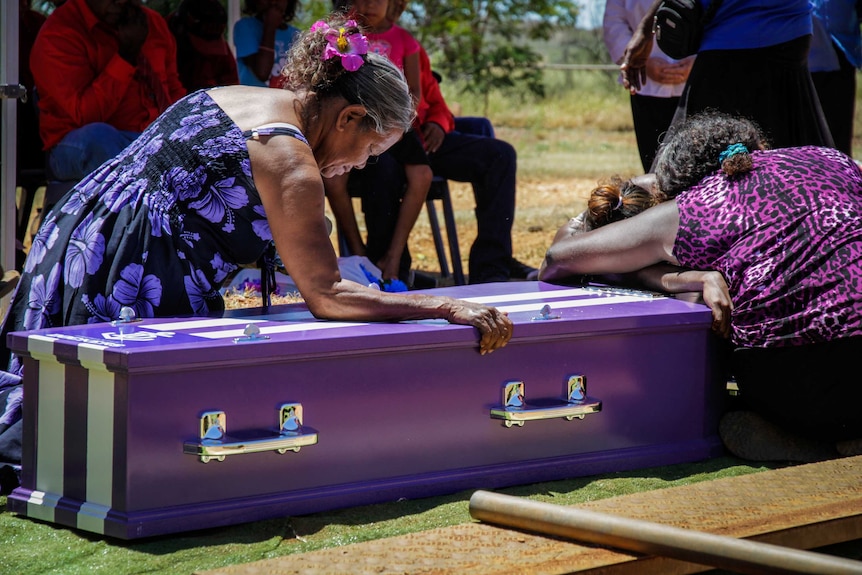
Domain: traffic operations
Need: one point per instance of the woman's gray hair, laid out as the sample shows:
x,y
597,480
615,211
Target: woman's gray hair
x,y
378,85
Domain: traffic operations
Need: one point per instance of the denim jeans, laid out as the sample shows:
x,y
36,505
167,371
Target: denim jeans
x,y
83,150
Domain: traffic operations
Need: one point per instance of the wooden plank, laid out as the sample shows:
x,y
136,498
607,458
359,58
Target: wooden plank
x,y
648,537
802,507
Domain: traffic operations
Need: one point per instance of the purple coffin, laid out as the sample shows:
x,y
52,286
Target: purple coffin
x,y
168,425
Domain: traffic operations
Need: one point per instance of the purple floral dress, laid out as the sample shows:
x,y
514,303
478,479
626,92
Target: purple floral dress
x,y
157,229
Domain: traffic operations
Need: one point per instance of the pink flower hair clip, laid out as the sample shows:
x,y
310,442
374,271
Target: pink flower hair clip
x,y
350,47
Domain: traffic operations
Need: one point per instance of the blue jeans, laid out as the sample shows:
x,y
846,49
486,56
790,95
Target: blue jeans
x,y
83,150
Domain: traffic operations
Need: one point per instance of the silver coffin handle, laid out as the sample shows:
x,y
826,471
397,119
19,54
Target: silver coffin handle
x,y
215,444
575,403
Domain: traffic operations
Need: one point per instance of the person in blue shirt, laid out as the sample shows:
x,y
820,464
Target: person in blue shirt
x,y
262,40
836,54
752,63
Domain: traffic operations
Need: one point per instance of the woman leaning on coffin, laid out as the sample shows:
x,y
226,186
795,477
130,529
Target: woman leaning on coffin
x,y
213,182
773,240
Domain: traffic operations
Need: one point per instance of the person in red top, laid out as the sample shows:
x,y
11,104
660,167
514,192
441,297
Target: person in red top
x,y
400,47
103,70
488,163
204,58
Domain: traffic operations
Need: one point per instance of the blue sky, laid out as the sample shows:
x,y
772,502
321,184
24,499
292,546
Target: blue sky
x,y
591,14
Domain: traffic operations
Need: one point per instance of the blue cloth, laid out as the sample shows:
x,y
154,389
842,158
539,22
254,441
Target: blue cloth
x,y
247,35
742,24
83,150
390,285
836,24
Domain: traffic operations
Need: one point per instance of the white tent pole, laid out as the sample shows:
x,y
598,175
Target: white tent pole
x,y
234,13
8,76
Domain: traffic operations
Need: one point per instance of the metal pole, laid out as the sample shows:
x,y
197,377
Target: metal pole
x,y
739,555
8,148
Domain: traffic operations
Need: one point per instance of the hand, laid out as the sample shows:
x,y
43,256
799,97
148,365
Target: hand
x,y
389,267
633,66
432,135
495,326
132,30
576,225
664,72
717,297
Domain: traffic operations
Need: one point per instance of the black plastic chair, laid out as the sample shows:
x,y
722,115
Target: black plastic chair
x,y
440,191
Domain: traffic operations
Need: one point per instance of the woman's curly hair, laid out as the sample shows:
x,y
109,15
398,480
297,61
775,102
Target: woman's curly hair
x,y
691,151
378,85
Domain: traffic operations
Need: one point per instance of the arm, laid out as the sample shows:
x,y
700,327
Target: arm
x,y
159,27
616,29
291,189
666,72
257,54
621,247
411,74
418,182
673,279
434,117
84,95
636,54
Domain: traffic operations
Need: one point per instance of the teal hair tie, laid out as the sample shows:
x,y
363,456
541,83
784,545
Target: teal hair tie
x,y
731,151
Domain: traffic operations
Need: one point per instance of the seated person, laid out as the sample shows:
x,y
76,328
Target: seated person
x,y
262,40
103,72
772,240
204,58
389,249
489,164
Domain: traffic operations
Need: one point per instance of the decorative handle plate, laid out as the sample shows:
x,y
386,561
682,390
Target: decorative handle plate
x,y
215,443
575,403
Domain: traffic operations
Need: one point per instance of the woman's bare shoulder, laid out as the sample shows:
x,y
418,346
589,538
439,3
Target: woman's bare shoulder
x,y
252,106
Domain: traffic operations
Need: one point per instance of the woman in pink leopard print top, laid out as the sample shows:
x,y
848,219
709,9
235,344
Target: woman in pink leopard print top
x,y
773,240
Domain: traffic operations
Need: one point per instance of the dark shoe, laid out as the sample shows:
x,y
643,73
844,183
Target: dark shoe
x,y
749,436
521,271
420,280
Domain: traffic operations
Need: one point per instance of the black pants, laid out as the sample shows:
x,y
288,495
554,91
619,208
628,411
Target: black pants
x,y
488,164
770,85
651,117
814,389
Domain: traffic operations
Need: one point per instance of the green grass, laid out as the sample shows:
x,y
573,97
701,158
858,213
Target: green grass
x,y
35,548
582,129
